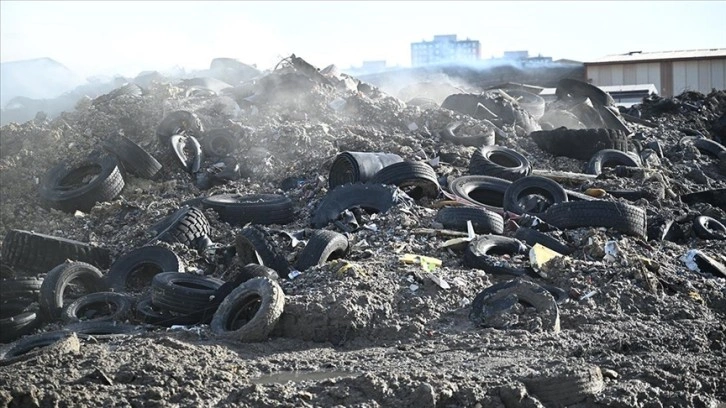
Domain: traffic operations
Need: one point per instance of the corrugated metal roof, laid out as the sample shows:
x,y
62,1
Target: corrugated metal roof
x,y
636,56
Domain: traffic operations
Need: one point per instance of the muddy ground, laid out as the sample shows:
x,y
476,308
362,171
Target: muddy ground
x,y
369,330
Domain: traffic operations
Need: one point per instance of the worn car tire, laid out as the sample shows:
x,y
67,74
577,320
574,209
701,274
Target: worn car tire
x,y
322,246
67,187
255,238
622,217
40,253
188,226
708,228
262,209
370,197
16,319
543,187
219,143
54,285
185,293
480,254
417,178
484,191
19,288
148,313
566,388
119,306
610,158
176,123
60,341
483,220
499,161
358,167
579,144
260,300
135,159
141,264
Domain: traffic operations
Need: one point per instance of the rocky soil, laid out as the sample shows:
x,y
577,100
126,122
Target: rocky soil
x,y
369,330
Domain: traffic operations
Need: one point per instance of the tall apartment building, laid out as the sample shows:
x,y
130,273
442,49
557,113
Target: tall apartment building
x,y
444,48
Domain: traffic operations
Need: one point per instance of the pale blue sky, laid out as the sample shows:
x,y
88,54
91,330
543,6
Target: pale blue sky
x,y
129,36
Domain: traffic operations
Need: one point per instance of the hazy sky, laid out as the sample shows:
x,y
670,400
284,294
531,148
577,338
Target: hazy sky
x,y
130,36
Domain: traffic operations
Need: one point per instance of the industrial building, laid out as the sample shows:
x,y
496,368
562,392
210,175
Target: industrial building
x,y
443,49
671,72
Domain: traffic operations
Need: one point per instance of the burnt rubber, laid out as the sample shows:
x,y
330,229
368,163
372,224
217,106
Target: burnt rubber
x,y
354,167
499,161
566,387
502,296
250,312
484,191
53,290
707,264
370,197
188,226
572,88
483,220
134,270
255,239
186,293
151,314
708,228
622,217
20,288
40,253
481,254
533,195
176,123
98,306
17,319
705,146
80,185
188,152
322,246
219,143
417,178
532,237
135,159
262,209
610,158
579,144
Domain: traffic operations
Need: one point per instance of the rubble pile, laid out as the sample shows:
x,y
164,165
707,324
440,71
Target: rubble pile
x,y
493,262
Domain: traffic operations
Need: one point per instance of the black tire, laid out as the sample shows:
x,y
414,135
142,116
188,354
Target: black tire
x,y
484,191
707,146
370,197
20,288
418,179
219,143
102,328
186,293
610,158
148,313
188,226
40,253
255,238
54,286
67,187
579,144
322,246
188,152
480,254
479,140
483,220
532,103
622,217
708,228
532,237
355,167
107,306
262,209
16,319
568,88
31,345
566,388
176,123
498,161
707,264
547,192
135,159
249,271
258,303
141,265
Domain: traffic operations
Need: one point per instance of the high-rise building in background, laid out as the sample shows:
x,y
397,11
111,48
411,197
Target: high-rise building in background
x,y
443,49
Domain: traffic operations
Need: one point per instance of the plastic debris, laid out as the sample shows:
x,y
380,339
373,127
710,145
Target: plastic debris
x,y
612,251
427,263
539,255
689,258
463,241
294,274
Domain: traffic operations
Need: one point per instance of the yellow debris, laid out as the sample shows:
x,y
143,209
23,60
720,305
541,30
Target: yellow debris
x,y
540,255
428,263
595,192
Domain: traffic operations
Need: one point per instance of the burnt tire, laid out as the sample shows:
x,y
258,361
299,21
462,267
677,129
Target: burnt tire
x,y
358,167
60,341
610,158
539,192
253,238
79,186
708,228
219,143
20,288
40,253
98,306
140,265
370,197
418,179
572,88
52,292
249,271
250,312
135,159
481,254
484,191
178,122
579,144
262,209
532,237
498,161
483,220
186,293
187,226
148,313
622,217
567,387
322,246
16,319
